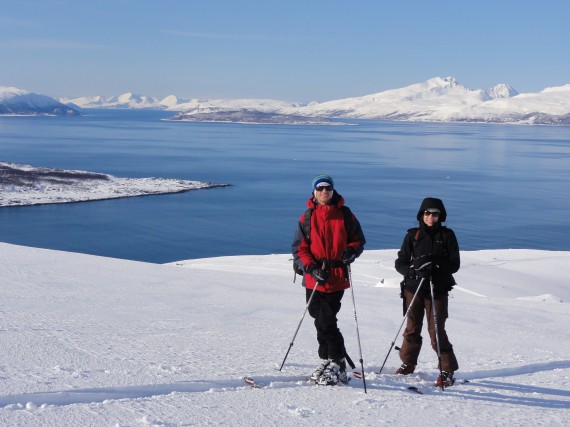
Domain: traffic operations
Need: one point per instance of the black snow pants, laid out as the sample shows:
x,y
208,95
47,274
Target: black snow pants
x,y
324,308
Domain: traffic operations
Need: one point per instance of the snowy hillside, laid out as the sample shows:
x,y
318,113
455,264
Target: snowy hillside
x,y
18,102
22,185
105,342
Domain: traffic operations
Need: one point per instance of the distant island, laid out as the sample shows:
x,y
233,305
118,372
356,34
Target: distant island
x,y
252,117
23,185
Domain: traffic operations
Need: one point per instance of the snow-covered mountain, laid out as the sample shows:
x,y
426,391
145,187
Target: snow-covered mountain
x,y
436,100
435,95
445,100
173,103
125,101
14,101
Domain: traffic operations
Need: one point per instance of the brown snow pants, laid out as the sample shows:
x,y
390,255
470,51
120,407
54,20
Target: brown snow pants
x,y
412,343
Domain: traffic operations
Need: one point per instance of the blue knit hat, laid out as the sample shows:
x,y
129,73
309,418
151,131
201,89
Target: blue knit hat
x,y
324,179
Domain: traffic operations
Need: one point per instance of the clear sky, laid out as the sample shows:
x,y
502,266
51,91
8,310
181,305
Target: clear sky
x,y
292,50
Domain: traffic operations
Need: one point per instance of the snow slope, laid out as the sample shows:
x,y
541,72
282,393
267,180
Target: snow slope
x,y
96,341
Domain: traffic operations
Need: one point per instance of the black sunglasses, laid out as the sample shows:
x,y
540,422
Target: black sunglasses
x,y
324,187
428,213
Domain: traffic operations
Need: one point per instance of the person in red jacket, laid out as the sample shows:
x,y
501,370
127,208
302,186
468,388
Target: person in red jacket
x,y
328,238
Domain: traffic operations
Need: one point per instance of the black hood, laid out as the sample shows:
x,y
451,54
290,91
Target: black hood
x,y
432,203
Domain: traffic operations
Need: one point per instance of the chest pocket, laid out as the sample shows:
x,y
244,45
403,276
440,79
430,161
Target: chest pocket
x,y
424,244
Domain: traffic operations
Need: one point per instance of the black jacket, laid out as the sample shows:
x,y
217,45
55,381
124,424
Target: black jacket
x,y
439,242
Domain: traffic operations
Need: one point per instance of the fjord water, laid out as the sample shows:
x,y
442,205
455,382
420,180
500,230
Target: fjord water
x,y
503,186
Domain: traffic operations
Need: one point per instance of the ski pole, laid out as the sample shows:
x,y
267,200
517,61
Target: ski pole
x,y
405,316
299,325
357,332
436,333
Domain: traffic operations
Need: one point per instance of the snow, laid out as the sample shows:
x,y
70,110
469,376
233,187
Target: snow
x,y
99,341
24,185
125,100
9,92
169,101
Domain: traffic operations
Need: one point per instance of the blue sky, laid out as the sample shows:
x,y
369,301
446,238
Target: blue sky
x,y
294,50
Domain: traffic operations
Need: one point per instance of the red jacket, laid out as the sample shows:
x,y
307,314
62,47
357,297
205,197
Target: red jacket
x,y
328,240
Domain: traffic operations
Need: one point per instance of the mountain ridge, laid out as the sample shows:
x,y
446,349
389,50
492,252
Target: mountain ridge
x,y
439,99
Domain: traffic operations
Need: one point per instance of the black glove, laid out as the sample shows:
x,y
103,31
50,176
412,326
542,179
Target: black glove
x,y
318,274
349,255
423,266
424,274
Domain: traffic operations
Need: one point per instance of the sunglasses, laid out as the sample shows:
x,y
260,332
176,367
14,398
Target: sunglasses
x,y
324,187
428,213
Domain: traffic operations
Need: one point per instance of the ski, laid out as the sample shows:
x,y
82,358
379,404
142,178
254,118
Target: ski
x,y
414,389
266,382
411,388
455,382
417,390
251,382
315,382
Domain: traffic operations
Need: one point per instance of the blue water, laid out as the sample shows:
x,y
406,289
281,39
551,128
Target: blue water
x,y
503,186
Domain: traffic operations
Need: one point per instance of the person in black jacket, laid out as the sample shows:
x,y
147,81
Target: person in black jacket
x,y
429,252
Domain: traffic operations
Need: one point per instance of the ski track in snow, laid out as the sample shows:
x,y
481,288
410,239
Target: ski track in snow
x,y
482,385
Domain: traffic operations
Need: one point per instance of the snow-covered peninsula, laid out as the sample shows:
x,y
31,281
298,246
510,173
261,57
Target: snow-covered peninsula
x,y
22,185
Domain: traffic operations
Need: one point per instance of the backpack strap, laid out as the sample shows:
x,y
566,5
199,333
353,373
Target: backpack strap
x,y
444,237
307,224
416,233
348,222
